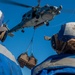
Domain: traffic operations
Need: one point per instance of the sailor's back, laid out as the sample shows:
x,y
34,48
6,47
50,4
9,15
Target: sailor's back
x,y
8,63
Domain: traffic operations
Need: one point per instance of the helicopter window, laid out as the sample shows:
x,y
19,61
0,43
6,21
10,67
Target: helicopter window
x,y
34,14
51,7
24,15
47,5
29,15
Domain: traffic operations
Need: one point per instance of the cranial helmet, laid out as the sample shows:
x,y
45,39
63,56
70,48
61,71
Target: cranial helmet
x,y
64,40
1,17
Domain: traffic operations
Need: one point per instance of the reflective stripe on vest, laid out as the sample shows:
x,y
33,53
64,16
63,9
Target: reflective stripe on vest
x,y
52,63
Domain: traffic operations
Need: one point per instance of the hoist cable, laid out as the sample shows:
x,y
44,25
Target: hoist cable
x,y
31,41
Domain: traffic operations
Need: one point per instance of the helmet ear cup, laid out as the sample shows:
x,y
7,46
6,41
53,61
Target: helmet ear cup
x,y
56,44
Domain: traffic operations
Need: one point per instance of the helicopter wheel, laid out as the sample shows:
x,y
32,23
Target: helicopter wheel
x,y
22,31
47,23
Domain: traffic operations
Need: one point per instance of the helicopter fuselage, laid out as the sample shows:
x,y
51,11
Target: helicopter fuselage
x,y
37,17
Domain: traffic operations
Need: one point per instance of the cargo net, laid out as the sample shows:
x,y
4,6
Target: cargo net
x,y
25,60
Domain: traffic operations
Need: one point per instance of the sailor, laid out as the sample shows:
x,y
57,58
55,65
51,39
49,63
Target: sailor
x,y
63,63
1,18
8,63
3,28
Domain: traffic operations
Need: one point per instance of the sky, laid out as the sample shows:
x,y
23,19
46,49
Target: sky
x,y
40,47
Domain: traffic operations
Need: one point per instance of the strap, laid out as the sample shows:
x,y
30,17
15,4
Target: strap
x,y
31,41
63,47
61,62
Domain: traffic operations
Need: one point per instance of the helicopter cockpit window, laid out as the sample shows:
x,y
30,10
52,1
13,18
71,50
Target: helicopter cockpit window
x,y
47,5
24,15
29,15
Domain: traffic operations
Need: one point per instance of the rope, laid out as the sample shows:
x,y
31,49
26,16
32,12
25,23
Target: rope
x,y
31,41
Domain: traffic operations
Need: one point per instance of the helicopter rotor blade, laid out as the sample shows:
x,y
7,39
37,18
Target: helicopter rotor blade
x,y
15,3
69,11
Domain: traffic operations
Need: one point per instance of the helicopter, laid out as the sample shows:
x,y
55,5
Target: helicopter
x,y
36,17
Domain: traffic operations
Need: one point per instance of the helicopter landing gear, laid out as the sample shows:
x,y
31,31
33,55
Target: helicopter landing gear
x,y
47,23
22,31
